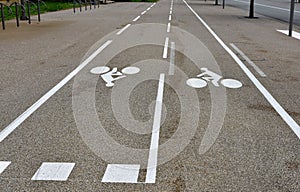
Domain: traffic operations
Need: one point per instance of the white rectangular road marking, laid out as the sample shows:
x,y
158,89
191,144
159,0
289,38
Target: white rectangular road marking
x,y
143,12
4,165
279,109
12,126
53,172
294,33
170,12
165,53
153,152
172,59
170,17
137,18
257,69
123,29
148,8
169,27
121,173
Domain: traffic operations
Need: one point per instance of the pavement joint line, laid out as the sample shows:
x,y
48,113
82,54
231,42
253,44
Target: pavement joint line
x,y
279,109
165,53
153,152
123,29
172,59
268,6
169,27
20,119
137,18
255,67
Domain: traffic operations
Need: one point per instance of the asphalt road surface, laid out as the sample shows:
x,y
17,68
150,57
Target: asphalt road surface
x,y
166,96
278,9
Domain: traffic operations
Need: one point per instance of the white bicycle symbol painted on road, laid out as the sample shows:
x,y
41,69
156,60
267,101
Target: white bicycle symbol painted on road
x,y
214,78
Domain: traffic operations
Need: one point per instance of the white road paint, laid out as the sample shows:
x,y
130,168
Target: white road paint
x,y
231,83
130,70
268,6
153,152
170,12
279,109
19,120
255,67
153,5
143,12
4,165
196,83
137,18
165,53
100,70
169,27
148,8
294,33
53,171
121,173
170,17
172,59
123,29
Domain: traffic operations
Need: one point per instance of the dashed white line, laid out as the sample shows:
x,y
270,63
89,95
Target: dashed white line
x,y
153,152
121,173
148,8
255,67
4,165
170,17
123,29
12,126
137,18
279,109
169,27
170,12
143,12
172,59
165,53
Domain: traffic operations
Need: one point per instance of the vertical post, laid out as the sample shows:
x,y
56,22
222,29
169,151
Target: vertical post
x,y
291,17
80,9
216,2
90,4
74,6
28,12
23,12
94,1
2,17
17,13
85,4
223,4
251,10
98,2
39,10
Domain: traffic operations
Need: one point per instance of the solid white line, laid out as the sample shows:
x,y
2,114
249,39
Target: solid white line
x,y
165,53
257,69
124,28
137,18
284,115
170,17
169,27
268,6
294,33
12,126
143,12
153,152
172,59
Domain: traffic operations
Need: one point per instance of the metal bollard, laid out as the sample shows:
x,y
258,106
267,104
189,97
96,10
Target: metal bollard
x,y
28,12
39,10
17,14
